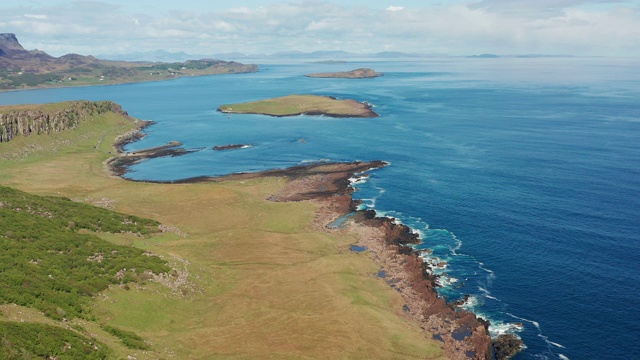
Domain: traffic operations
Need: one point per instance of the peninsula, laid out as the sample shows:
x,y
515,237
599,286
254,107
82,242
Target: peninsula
x,y
293,105
24,69
237,257
362,73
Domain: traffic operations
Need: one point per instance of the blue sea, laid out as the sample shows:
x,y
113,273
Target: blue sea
x,y
522,173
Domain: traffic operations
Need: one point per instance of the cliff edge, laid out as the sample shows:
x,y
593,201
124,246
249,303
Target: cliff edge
x,y
46,119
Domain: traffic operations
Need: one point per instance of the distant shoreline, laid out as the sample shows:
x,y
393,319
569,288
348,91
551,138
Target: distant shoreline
x,y
362,73
53,86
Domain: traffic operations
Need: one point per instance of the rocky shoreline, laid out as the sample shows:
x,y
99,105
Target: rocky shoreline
x,y
119,164
462,334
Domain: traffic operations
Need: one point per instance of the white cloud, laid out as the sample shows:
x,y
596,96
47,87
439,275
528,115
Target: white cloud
x,y
35,16
488,26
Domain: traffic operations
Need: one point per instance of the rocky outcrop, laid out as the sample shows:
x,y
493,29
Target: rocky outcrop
x,y
506,346
231,147
47,119
14,57
9,43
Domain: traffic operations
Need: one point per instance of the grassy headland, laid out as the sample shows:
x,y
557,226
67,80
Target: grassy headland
x,y
302,105
252,279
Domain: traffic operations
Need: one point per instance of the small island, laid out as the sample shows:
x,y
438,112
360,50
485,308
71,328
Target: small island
x,y
293,105
362,73
231,147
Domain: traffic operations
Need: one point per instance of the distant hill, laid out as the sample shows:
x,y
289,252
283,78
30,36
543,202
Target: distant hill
x,y
484,56
161,55
20,68
12,54
157,55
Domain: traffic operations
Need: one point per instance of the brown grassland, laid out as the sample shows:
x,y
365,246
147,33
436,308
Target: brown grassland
x,y
256,281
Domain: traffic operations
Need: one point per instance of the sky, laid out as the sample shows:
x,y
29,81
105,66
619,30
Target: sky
x,y
453,27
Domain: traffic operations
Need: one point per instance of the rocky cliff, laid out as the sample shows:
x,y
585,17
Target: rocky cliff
x,y
45,119
9,42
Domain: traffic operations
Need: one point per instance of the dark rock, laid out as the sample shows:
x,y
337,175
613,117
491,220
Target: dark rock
x,y
506,346
462,301
231,147
9,43
461,334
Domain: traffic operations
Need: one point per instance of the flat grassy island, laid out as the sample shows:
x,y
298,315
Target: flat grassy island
x,y
293,105
362,73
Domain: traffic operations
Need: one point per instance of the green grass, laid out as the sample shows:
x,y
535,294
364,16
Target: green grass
x,y
129,338
48,264
41,341
301,104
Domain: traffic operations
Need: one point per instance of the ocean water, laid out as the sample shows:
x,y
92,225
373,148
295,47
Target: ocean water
x,y
522,174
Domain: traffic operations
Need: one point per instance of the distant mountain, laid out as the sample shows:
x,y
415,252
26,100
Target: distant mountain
x,y
157,55
20,68
397,54
484,56
350,55
336,56
9,43
528,56
533,56
13,55
166,56
161,55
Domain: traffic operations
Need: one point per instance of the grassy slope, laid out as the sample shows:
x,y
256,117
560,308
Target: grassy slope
x,y
299,104
52,260
261,284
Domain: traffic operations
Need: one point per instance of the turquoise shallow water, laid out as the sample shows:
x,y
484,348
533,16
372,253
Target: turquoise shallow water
x,y
523,174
